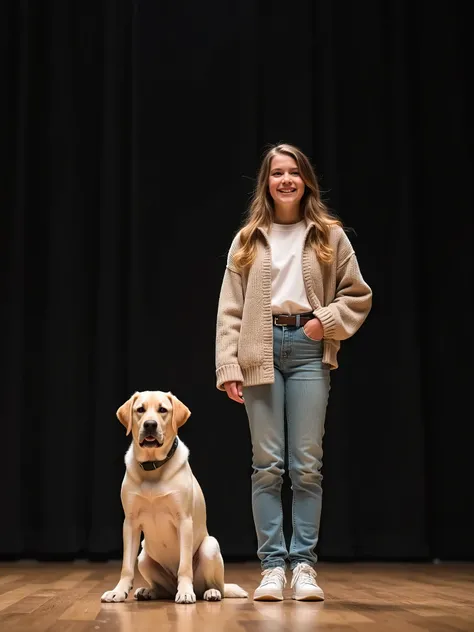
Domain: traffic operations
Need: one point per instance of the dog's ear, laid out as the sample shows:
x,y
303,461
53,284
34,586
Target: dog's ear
x,y
125,412
181,413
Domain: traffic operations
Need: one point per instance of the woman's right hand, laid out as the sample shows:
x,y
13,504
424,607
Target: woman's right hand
x,y
234,391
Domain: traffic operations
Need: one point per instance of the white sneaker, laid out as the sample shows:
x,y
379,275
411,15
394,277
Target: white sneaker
x,y
304,584
271,586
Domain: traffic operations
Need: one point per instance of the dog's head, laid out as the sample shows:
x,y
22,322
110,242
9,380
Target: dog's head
x,y
153,418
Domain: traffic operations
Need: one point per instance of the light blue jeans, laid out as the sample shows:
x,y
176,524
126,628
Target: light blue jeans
x,y
298,396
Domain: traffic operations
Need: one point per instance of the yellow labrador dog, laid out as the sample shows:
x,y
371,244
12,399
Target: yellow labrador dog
x,y
162,498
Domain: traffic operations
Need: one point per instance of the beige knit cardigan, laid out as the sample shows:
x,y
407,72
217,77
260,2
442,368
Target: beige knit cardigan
x,y
338,295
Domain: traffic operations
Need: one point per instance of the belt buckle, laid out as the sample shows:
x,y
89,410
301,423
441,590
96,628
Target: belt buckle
x,y
275,318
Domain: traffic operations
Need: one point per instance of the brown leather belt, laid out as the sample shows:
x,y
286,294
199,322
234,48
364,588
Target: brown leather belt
x,y
292,321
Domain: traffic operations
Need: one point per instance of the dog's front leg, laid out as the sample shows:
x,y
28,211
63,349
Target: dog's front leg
x,y
185,592
131,542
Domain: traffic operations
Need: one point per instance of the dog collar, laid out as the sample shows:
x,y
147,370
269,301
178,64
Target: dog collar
x,y
148,466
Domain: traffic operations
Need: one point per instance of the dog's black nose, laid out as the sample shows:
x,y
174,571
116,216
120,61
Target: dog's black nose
x,y
150,425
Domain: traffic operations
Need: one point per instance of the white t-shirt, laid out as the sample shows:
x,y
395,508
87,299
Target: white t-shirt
x,y
288,291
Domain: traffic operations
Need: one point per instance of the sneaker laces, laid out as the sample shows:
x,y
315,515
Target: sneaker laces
x,y
272,575
304,573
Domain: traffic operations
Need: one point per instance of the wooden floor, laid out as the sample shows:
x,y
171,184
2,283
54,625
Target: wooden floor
x,y
36,597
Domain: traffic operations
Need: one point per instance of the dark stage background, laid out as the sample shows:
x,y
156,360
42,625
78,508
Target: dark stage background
x,y
131,135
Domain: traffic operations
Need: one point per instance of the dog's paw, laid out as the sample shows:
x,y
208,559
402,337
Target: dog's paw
x,y
212,595
145,594
114,596
185,597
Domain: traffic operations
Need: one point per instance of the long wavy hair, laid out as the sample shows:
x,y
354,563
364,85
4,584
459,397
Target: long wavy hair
x,y
261,209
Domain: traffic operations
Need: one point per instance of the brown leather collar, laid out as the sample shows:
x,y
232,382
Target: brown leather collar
x,y
148,466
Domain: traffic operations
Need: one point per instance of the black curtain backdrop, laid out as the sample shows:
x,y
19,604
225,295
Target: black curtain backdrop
x,y
131,135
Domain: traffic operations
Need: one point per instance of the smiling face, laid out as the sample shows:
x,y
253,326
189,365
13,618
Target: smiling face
x,y
285,183
153,417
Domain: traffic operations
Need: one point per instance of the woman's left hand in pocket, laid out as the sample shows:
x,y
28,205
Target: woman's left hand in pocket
x,y
314,329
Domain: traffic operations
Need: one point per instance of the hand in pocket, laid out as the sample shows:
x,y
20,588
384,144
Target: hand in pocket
x,y
314,329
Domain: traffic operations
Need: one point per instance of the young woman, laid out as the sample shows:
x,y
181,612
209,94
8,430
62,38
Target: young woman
x,y
292,290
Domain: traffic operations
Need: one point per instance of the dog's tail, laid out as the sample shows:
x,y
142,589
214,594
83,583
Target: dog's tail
x,y
233,591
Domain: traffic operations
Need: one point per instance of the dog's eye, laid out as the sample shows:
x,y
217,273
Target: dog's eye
x,y
162,410
140,409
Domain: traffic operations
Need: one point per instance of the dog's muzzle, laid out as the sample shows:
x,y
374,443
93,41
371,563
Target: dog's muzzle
x,y
151,435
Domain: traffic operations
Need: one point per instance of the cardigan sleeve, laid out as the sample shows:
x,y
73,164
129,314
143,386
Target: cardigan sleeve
x,y
229,319
353,300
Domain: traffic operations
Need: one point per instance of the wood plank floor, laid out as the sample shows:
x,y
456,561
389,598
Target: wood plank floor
x,y
35,597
